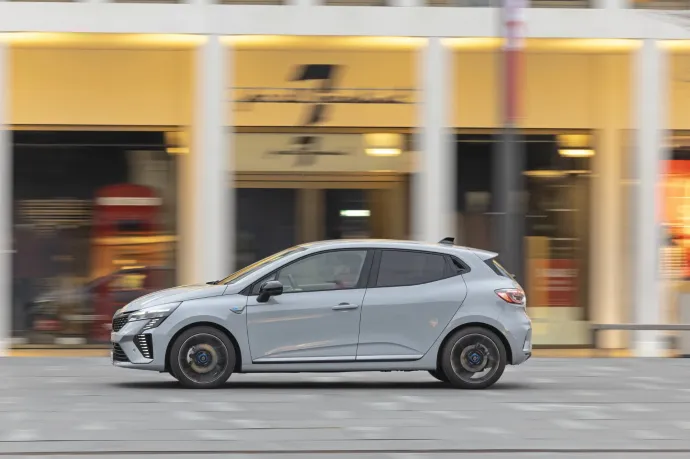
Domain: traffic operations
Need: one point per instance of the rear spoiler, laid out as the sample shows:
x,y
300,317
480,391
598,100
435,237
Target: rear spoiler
x,y
482,254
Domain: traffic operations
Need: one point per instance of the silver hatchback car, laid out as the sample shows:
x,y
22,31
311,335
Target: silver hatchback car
x,y
336,306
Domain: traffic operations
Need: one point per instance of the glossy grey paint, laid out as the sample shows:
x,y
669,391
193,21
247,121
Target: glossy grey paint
x,y
402,328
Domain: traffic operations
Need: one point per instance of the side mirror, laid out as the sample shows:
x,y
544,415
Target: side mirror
x,y
269,289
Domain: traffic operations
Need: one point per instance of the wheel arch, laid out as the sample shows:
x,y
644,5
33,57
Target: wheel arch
x,y
220,328
501,336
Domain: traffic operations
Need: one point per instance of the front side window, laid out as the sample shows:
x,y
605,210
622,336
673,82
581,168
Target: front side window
x,y
402,268
324,271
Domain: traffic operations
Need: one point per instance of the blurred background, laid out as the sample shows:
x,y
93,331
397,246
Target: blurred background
x,y
136,162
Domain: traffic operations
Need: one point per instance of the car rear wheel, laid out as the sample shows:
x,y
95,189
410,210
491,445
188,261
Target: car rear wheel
x,y
438,374
202,358
473,358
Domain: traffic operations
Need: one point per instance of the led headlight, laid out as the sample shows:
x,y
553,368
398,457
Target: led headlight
x,y
154,315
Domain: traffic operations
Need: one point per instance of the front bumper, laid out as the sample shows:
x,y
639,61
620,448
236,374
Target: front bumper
x,y
134,347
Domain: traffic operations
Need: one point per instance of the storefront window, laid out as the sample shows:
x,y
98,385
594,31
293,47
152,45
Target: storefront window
x,y
94,229
675,223
556,188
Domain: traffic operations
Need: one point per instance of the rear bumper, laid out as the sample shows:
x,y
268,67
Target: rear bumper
x,y
518,329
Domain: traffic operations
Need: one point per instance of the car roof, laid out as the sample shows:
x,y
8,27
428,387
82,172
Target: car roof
x,y
397,244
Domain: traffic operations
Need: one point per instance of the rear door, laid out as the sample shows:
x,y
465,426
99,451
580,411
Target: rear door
x,y
411,298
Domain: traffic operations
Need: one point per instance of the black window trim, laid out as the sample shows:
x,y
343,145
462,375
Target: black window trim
x,y
464,267
361,282
448,271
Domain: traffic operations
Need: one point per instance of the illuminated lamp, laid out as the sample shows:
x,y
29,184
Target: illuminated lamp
x,y
177,143
575,146
383,144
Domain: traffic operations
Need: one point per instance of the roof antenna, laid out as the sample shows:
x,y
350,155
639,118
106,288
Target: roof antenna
x,y
447,240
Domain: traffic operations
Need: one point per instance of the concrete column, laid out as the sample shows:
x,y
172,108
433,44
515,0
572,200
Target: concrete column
x,y
208,245
310,214
434,180
6,178
606,201
650,79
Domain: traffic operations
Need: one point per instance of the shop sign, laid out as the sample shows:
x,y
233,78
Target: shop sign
x,y
314,96
324,92
557,282
320,99
336,153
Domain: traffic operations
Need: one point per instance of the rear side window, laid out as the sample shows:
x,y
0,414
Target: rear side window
x,y
402,268
497,267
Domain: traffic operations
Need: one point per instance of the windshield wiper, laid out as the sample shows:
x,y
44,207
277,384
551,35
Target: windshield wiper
x,y
213,282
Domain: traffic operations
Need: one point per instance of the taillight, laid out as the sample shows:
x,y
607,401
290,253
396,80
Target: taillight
x,y
512,295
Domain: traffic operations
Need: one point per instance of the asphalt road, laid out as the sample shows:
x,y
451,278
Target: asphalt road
x,y
560,408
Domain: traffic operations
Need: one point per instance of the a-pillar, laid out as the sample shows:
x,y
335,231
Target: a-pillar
x,y
206,196
433,201
650,98
6,178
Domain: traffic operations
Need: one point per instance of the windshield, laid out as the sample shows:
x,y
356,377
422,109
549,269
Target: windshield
x,y
234,277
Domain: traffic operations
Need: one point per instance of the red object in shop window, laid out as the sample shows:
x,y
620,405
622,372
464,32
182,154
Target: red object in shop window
x,y
557,283
562,283
46,325
125,209
119,211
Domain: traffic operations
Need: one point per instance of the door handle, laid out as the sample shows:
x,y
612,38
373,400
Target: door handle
x,y
345,306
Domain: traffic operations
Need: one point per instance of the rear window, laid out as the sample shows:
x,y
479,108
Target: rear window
x,y
497,267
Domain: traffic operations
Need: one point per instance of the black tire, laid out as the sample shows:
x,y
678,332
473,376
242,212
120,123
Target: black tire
x,y
202,358
470,350
440,375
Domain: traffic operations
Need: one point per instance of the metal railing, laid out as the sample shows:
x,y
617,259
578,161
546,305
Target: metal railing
x,y
661,4
250,2
146,1
496,3
355,2
595,329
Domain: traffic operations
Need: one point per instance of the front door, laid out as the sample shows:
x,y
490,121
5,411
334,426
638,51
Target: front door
x,y
317,316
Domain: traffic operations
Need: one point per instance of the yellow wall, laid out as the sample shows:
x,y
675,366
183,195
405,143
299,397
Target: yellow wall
x,y
154,87
679,88
100,87
558,90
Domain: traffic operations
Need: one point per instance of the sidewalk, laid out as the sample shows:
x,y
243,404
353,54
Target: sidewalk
x,y
537,353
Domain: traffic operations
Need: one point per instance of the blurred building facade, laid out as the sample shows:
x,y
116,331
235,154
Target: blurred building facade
x,y
151,145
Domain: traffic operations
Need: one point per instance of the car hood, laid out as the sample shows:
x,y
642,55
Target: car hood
x,y
175,295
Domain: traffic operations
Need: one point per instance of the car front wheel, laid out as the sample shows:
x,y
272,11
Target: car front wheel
x,y
202,358
473,358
